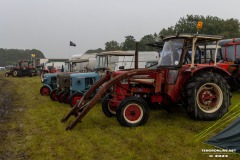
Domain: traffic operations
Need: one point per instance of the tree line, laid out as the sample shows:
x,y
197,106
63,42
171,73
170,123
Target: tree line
x,y
212,25
12,56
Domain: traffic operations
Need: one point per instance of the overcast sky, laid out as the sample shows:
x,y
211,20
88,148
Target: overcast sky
x,y
49,25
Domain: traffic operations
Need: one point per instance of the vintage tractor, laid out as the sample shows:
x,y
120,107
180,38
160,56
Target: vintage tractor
x,y
23,68
49,83
231,54
79,84
191,79
61,93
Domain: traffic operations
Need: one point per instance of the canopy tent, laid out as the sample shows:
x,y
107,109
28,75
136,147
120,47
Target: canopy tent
x,y
229,138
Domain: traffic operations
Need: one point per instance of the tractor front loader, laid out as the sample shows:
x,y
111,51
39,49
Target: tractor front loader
x,y
84,106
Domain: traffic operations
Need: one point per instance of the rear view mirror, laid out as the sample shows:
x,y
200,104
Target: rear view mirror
x,y
237,61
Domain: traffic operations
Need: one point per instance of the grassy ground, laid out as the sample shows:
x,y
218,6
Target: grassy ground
x,y
30,128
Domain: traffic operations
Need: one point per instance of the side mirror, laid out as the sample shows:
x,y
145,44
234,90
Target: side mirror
x,y
121,67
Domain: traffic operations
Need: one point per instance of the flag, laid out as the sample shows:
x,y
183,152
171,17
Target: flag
x,y
72,44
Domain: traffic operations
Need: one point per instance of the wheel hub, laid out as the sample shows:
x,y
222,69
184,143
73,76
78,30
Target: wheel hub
x,y
209,97
133,112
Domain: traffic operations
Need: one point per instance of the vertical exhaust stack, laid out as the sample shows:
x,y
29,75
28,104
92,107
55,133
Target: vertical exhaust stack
x,y
136,56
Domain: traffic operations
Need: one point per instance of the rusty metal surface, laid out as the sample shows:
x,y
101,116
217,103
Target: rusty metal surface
x,y
109,84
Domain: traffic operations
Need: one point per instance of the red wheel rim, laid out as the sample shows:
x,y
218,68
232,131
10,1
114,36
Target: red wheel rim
x,y
207,97
45,91
76,99
133,113
61,98
55,98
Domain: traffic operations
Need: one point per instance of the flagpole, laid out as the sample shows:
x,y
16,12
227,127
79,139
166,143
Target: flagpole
x,y
68,51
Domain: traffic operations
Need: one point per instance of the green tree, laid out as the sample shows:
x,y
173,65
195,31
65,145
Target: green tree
x,y
112,46
12,56
99,50
211,25
146,40
129,43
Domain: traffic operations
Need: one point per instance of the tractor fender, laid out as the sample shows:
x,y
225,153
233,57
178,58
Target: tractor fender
x,y
48,86
214,69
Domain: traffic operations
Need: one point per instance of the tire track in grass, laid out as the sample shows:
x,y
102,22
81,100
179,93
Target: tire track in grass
x,y
11,135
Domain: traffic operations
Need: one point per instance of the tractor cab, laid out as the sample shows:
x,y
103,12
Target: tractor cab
x,y
115,60
72,64
189,49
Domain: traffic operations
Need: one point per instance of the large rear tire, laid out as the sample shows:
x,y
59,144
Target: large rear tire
x,y
208,96
15,73
132,112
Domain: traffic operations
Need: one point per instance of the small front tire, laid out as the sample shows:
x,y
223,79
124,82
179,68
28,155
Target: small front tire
x,y
45,91
132,112
107,109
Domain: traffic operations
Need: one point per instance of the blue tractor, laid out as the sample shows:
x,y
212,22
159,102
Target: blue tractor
x,y
49,83
79,84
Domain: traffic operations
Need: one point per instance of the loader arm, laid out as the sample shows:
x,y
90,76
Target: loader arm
x,y
74,111
86,107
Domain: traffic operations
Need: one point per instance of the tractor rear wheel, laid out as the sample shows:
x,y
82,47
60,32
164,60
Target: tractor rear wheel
x,y
54,94
132,112
107,109
60,96
75,98
45,91
208,96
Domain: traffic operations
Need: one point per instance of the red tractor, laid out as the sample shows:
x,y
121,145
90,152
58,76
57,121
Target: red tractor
x,y
185,75
24,68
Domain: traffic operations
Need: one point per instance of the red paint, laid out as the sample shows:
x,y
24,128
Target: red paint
x,y
132,112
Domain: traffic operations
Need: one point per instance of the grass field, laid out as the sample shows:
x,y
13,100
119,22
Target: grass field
x,y
30,128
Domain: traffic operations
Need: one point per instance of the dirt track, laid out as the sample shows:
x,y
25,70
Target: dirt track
x,y
10,125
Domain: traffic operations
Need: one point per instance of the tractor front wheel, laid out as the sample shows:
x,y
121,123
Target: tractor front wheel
x,y
75,98
132,112
208,96
61,96
45,91
66,97
54,94
107,109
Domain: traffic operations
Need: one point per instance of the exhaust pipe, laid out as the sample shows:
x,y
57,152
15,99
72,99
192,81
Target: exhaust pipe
x,y
136,56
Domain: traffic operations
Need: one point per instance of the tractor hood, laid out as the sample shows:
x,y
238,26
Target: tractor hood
x,y
83,75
